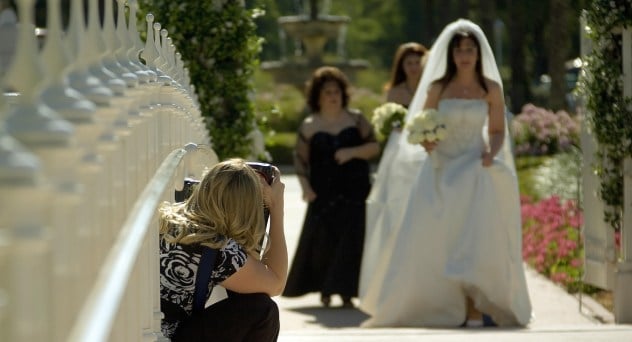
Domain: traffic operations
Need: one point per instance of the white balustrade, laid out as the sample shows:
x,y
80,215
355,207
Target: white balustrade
x,y
95,48
112,44
623,275
87,154
604,267
79,76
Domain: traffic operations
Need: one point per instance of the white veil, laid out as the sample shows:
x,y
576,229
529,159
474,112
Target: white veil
x,y
401,161
436,67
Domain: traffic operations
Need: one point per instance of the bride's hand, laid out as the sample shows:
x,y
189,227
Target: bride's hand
x,y
487,158
428,146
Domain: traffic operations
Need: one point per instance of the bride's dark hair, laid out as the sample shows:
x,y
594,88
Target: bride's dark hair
x,y
451,66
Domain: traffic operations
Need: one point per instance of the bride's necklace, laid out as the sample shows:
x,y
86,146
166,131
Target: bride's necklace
x,y
465,91
410,90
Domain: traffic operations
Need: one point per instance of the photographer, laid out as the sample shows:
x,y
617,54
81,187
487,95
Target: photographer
x,y
224,215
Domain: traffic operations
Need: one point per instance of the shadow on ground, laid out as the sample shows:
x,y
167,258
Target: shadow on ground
x,y
333,317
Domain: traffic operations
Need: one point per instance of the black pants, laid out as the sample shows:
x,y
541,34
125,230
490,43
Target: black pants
x,y
240,317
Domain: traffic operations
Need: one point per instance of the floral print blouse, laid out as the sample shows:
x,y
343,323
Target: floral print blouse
x,y
178,269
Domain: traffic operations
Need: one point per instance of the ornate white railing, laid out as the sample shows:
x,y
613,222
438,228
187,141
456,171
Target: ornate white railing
x,y
87,153
604,267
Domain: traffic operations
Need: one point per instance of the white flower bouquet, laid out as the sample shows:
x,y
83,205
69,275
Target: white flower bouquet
x,y
387,117
426,126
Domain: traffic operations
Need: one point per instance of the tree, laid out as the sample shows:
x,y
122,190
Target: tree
x,y
558,44
219,46
519,91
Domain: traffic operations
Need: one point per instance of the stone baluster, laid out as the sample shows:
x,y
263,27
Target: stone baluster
x,y
168,49
96,51
160,61
57,92
112,44
41,130
22,228
149,54
128,52
138,106
86,216
623,275
180,71
107,210
79,76
171,93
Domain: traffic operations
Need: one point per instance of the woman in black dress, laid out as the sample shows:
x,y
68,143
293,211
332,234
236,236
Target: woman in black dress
x,y
332,151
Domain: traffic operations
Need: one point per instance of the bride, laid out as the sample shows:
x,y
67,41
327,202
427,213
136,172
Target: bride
x,y
443,240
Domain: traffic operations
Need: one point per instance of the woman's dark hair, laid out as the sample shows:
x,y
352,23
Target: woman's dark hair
x,y
397,69
451,66
321,76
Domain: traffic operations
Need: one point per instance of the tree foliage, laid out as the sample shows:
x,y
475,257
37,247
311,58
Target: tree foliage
x,y
609,111
219,46
378,27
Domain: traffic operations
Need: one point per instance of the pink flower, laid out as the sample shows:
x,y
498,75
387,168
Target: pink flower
x,y
551,238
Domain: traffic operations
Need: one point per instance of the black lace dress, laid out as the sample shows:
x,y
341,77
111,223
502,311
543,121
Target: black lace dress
x,y
329,252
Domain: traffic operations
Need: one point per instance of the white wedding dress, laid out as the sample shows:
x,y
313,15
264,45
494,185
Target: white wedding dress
x,y
457,233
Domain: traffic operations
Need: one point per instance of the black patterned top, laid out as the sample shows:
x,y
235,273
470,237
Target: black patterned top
x,y
178,269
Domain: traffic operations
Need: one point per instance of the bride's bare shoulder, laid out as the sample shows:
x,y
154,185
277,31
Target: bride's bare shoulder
x,y
491,85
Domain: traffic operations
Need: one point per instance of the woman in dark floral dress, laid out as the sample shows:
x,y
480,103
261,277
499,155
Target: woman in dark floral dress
x,y
225,213
331,161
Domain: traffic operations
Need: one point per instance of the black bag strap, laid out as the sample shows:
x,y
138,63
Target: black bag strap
x,y
203,277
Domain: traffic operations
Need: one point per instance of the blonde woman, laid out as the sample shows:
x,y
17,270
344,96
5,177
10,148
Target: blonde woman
x,y
224,213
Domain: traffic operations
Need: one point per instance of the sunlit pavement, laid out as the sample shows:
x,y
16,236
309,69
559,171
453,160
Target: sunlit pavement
x,y
558,316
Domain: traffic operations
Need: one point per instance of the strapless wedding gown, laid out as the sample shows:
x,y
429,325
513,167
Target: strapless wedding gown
x,y
453,232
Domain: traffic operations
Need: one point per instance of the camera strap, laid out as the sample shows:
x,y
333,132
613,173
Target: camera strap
x,y
203,277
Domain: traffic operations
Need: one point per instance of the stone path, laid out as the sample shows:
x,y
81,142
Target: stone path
x,y
558,315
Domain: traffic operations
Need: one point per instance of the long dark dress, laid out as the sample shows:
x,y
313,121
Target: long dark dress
x,y
329,251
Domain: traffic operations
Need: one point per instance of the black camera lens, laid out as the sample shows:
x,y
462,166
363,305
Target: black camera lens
x,y
264,169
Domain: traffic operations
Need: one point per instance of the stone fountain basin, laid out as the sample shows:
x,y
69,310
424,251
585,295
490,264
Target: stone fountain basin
x,y
301,26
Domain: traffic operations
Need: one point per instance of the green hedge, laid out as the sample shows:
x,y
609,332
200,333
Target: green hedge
x,y
220,48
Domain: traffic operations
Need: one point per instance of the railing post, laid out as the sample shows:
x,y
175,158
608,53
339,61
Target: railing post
x,y
89,208
623,276
599,248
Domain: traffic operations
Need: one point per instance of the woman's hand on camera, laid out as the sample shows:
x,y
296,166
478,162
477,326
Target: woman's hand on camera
x,y
273,193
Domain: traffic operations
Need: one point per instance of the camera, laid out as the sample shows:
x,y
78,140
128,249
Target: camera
x,y
264,169
267,171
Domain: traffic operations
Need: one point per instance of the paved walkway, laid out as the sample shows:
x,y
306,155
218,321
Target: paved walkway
x,y
559,316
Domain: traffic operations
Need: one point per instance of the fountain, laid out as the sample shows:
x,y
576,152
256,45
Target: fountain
x,y
310,31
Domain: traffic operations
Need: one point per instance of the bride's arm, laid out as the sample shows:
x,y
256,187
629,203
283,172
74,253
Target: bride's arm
x,y
496,124
432,101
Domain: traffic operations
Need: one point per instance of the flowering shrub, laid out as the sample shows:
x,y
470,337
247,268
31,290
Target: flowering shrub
x,y
551,240
537,131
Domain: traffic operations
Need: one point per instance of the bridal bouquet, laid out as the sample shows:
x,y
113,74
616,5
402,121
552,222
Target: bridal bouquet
x,y
425,126
387,117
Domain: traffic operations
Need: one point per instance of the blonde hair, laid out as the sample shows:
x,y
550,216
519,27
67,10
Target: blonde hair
x,y
227,203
